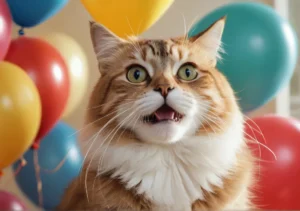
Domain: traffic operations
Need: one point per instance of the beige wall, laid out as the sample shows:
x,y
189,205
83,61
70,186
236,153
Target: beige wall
x,y
73,20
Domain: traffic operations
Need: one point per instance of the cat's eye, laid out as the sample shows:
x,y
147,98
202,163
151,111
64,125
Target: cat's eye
x,y
137,74
187,72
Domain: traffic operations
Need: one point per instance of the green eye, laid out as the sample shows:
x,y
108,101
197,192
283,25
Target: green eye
x,y
187,72
137,74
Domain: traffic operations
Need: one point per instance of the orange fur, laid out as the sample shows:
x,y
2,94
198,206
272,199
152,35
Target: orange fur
x,y
108,193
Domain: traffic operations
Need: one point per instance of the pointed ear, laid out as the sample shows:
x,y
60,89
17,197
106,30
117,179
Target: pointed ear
x,y
211,38
105,42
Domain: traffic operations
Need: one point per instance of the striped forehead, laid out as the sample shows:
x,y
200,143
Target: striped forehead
x,y
160,55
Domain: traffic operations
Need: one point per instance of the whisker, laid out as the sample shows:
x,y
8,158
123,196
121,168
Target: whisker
x,y
252,129
266,147
116,130
130,26
97,134
259,130
202,125
103,143
103,104
254,138
134,44
126,129
192,24
214,122
97,120
205,119
185,29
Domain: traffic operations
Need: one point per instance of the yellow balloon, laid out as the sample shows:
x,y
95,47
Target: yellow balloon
x,y
76,62
20,113
127,17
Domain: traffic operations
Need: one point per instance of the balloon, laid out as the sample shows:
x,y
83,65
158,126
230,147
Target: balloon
x,y
5,28
278,181
20,113
261,51
60,145
48,70
10,202
77,64
29,13
126,18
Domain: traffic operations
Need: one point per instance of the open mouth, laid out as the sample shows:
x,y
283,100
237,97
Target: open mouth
x,y
163,114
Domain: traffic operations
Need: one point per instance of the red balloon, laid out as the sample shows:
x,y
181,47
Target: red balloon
x,y
48,70
10,202
5,28
278,185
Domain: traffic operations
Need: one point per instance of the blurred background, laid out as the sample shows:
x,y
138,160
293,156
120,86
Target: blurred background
x,y
73,20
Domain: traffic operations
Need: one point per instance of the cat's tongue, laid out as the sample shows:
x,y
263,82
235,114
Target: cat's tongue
x,y
165,113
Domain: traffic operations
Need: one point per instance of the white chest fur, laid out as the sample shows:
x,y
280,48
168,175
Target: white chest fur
x,y
173,176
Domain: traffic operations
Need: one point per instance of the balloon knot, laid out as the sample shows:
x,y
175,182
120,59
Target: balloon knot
x,y
21,32
35,146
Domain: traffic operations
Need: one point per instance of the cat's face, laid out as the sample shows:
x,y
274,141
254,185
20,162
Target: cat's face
x,y
161,90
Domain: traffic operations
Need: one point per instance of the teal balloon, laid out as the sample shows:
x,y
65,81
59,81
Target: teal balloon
x,y
29,13
60,145
261,51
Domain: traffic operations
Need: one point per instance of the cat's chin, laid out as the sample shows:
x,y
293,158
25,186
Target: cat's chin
x,y
164,132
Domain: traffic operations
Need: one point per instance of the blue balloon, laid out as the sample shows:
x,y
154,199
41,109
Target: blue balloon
x,y
28,13
60,143
261,51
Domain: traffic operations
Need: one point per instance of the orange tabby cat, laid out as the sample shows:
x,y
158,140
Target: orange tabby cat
x,y
164,129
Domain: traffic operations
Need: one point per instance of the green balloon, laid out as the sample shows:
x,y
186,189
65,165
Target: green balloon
x,y
261,51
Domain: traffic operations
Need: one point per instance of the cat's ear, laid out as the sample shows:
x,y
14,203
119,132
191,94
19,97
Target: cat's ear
x,y
104,41
211,38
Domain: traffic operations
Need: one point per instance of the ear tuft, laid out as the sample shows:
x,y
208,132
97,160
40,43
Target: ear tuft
x,y
211,38
92,23
104,41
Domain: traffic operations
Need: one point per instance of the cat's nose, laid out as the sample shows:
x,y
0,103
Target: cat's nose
x,y
164,89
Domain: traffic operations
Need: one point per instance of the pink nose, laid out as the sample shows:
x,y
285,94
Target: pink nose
x,y
164,89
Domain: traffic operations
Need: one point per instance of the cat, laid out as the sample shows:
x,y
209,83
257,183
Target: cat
x,y
165,131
